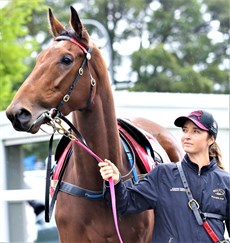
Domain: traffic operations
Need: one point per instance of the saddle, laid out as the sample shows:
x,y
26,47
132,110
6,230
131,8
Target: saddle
x,y
143,144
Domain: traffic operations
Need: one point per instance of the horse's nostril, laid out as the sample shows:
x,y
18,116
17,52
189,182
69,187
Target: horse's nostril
x,y
23,115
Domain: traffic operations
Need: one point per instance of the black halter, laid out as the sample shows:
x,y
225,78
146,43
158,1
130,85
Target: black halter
x,y
80,72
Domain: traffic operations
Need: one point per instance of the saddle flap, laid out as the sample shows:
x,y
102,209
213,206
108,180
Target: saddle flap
x,y
136,133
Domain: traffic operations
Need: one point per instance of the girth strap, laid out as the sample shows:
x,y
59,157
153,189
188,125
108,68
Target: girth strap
x,y
79,191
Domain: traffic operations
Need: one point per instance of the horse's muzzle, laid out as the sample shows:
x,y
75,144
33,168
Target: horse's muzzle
x,y
22,119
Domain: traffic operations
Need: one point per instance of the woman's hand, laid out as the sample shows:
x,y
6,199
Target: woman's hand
x,y
108,170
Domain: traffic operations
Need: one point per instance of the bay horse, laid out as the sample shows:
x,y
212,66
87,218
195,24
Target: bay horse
x,y
73,67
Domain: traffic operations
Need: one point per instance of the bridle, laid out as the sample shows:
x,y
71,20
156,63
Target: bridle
x,y
50,114
79,74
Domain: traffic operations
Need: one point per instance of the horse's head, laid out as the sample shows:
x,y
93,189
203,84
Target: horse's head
x,y
62,77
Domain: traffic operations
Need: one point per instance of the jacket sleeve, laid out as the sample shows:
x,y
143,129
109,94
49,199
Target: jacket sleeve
x,y
135,199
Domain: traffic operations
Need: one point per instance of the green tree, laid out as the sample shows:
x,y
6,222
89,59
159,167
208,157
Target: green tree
x,y
219,57
183,56
114,15
15,45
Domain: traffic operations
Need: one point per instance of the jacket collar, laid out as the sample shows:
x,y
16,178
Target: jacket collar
x,y
195,167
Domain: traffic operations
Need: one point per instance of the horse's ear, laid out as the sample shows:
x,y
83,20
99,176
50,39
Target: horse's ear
x,y
75,22
56,27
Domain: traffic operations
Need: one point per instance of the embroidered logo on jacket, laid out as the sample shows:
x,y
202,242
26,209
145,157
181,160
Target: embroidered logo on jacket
x,y
218,194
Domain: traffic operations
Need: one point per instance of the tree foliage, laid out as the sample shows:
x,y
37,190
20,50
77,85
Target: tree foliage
x,y
182,55
15,45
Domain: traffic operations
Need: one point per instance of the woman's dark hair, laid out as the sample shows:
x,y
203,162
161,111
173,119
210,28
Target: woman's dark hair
x,y
214,151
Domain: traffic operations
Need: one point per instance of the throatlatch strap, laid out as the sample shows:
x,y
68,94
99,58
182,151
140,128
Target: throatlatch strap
x,y
193,204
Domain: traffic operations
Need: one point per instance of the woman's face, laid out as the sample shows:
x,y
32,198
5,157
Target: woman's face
x,y
194,140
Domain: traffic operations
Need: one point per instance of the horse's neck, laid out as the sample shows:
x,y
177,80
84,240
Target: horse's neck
x,y
99,128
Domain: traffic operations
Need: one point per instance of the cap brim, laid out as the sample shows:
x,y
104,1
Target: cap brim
x,y
180,121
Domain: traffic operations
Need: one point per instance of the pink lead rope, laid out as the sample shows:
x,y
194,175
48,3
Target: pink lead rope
x,y
111,184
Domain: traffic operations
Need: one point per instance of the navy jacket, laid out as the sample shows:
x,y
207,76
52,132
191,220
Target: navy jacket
x,y
163,191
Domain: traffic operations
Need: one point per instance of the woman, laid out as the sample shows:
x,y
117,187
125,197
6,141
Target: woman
x,y
163,191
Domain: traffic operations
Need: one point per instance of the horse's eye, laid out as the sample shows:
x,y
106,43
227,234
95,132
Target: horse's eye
x,y
66,60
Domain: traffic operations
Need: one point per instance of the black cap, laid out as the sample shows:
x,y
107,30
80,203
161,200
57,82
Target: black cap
x,y
200,118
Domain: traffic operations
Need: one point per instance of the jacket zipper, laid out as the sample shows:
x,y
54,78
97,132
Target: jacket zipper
x,y
170,239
